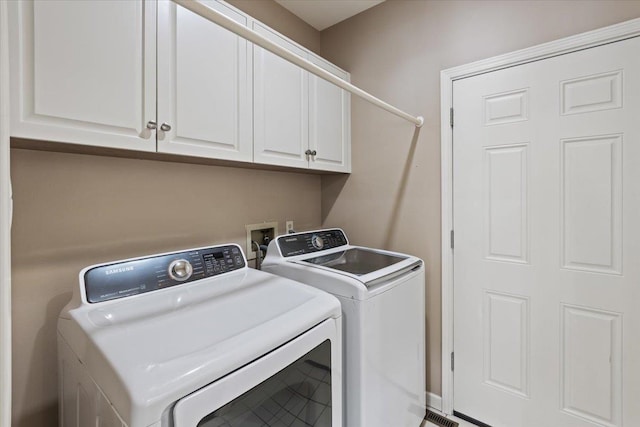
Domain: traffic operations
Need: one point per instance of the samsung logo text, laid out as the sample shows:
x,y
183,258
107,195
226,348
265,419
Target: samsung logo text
x,y
118,270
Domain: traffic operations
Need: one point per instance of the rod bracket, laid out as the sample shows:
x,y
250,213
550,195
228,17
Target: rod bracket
x,y
420,121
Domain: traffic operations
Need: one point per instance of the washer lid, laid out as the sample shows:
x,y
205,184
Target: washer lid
x,y
358,261
149,350
371,269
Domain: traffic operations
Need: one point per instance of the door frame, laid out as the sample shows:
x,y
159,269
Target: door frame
x,y
610,34
5,225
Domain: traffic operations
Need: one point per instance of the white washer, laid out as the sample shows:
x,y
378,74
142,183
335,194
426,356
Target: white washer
x,y
382,296
195,338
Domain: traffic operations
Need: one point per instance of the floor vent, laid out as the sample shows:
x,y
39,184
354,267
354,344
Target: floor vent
x,y
439,420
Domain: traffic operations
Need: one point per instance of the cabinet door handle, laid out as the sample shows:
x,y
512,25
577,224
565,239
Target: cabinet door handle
x,y
314,152
308,152
166,127
151,124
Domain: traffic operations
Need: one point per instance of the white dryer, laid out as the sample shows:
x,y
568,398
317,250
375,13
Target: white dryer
x,y
382,295
195,338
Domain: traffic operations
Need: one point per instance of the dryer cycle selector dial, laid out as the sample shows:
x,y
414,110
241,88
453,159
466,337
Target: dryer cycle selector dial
x,y
317,241
180,270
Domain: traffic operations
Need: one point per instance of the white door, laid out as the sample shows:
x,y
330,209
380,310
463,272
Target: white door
x,y
204,85
280,109
329,113
76,80
547,253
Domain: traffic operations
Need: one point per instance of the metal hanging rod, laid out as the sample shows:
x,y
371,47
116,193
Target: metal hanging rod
x,y
245,32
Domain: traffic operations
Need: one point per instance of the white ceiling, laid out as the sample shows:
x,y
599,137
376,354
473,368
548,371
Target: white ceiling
x,y
321,14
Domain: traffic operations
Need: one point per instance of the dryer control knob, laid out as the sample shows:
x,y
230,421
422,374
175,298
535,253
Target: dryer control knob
x,y
180,270
317,241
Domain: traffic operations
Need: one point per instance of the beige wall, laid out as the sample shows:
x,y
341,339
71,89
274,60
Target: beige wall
x,y
73,210
276,16
396,51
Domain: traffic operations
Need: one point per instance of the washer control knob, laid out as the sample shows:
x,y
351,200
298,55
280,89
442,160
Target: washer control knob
x,y
180,270
317,241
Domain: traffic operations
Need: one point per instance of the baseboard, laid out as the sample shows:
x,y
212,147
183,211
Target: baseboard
x,y
434,401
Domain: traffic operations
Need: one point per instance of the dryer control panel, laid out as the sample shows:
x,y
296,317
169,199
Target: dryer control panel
x,y
314,241
132,277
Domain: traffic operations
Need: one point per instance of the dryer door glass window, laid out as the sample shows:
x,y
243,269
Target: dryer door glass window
x,y
300,394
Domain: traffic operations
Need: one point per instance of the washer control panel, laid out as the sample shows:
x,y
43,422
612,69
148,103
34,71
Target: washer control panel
x,y
126,278
306,243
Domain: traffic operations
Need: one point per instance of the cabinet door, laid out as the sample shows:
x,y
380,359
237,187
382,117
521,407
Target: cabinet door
x,y
83,72
280,105
329,121
204,85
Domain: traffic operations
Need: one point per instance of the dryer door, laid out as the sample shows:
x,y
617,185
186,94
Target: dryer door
x,y
300,381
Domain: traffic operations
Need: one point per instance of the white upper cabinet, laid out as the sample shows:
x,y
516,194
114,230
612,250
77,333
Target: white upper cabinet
x,y
149,75
329,121
204,85
281,102
84,72
300,119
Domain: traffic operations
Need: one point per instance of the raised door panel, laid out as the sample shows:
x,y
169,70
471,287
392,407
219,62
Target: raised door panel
x,y
204,85
280,105
77,79
591,365
329,121
592,204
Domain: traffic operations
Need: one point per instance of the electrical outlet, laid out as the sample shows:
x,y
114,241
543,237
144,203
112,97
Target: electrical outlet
x,y
262,234
289,227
